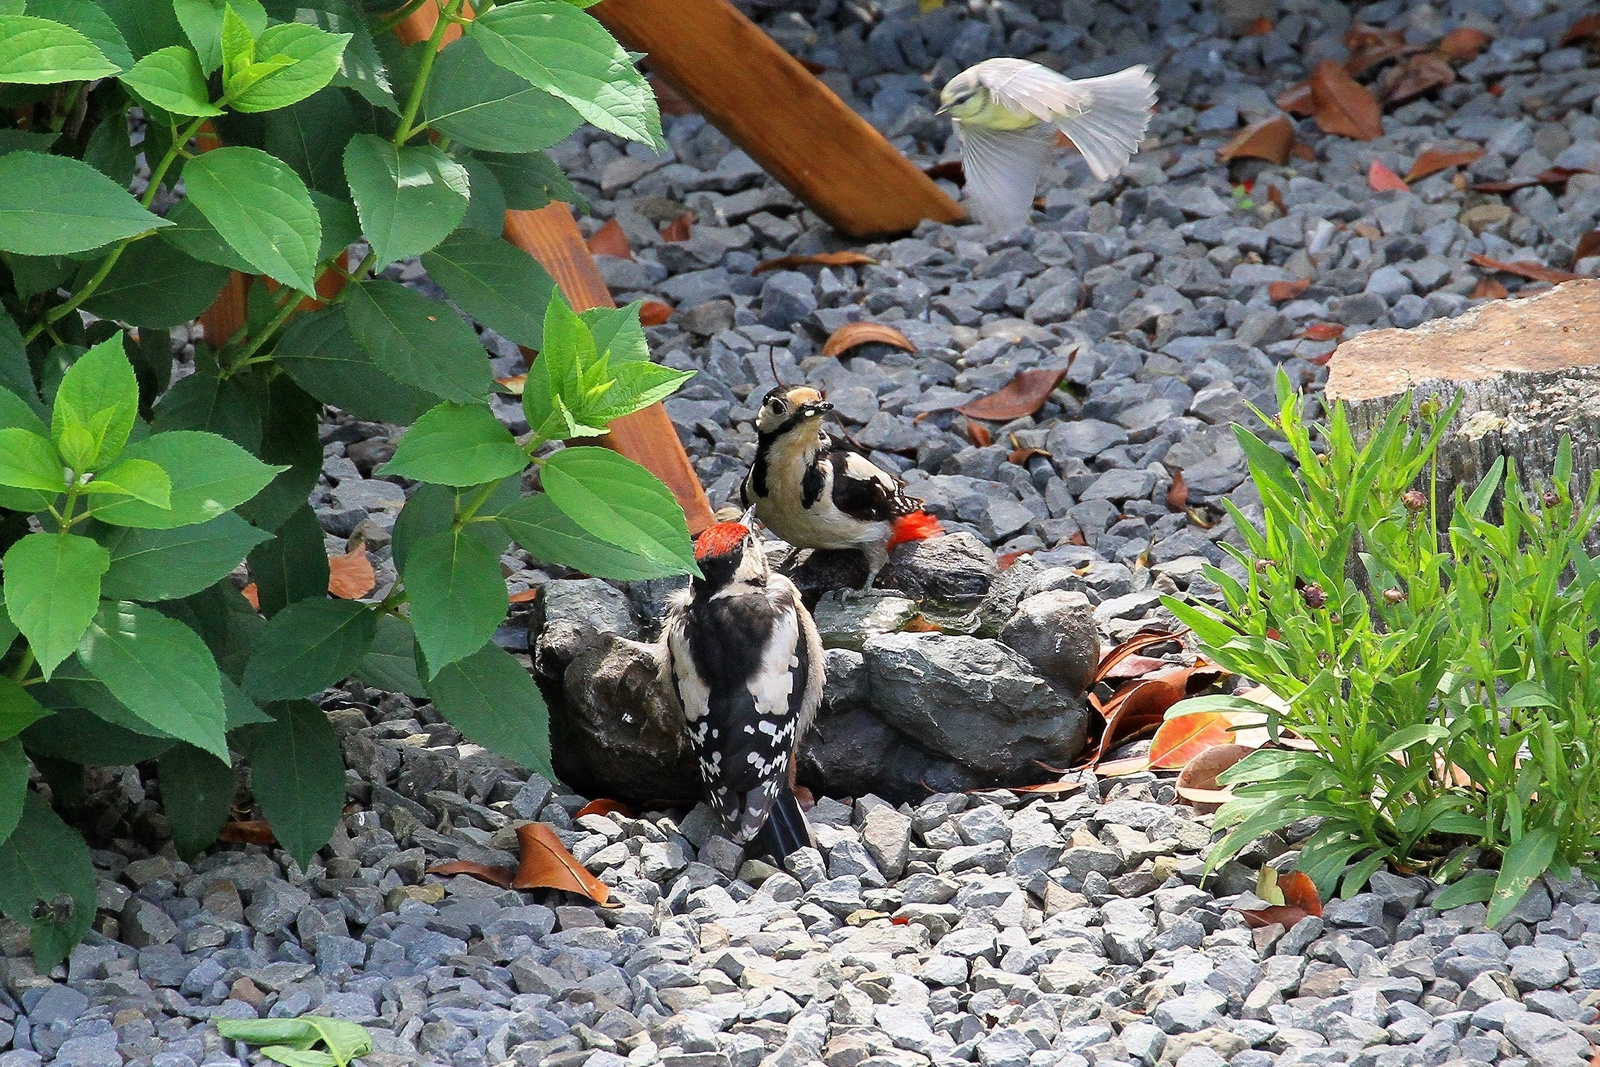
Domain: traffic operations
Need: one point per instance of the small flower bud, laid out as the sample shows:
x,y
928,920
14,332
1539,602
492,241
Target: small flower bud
x,y
1415,499
1394,596
1429,407
1266,564
1551,498
1314,596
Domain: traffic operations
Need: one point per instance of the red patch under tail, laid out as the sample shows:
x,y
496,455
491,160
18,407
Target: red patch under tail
x,y
917,526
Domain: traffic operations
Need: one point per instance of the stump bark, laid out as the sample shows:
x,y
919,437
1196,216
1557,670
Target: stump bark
x,y
1528,371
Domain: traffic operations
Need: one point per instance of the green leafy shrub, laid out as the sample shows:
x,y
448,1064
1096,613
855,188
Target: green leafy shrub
x,y
1448,685
126,504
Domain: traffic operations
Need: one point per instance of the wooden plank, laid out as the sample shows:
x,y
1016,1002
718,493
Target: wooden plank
x,y
789,122
551,236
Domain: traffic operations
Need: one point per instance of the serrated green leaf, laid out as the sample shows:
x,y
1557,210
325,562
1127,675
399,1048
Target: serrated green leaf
x,y
1474,888
617,332
563,51
542,529
146,27
620,503
635,386
100,395
156,285
458,445
210,475
28,461
307,647
293,566
294,1032
409,199
37,51
172,80
171,564
52,590
310,137
484,106
486,210
13,784
84,210
202,22
288,436
492,699
345,1040
530,181
341,227
432,509
45,861
193,235
422,342
18,711
298,777
228,407
391,663
136,478
159,669
1524,862
89,19
457,596
305,59
262,209
320,354
238,45
196,796
495,282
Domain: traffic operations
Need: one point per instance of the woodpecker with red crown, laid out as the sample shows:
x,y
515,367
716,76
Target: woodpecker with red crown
x,y
745,664
817,493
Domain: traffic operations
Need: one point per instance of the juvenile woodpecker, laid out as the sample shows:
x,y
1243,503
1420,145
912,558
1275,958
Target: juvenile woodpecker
x,y
815,493
745,663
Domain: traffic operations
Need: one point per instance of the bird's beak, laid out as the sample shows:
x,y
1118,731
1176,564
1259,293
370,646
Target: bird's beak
x,y
748,519
821,407
944,109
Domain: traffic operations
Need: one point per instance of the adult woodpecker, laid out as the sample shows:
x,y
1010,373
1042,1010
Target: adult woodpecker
x,y
745,663
1007,112
815,493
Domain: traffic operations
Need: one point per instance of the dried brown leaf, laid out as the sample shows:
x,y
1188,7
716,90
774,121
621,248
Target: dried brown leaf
x,y
609,240
852,334
1361,62
823,259
679,228
1202,771
1384,180
1021,456
1133,645
252,596
1537,272
1275,198
1296,100
527,596
247,832
1323,331
1344,107
950,170
1007,560
1360,37
979,434
350,576
1582,30
1463,43
500,876
1121,768
1259,28
604,807
1433,160
514,384
1178,493
1420,74
919,624
1489,289
1588,245
1278,292
1022,395
546,864
654,313
1268,139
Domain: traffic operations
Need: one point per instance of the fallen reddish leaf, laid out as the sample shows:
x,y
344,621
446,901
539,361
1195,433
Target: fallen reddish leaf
x,y
1142,705
1588,245
1537,272
1179,740
1343,106
546,864
979,434
679,228
1323,331
1489,289
1554,177
919,624
1022,395
803,797
669,99
1121,768
1055,788
1299,891
1135,644
604,807
252,596
1361,62
1077,538
1021,456
1296,100
1007,560
1420,74
852,334
514,384
1197,782
654,313
609,240
1384,180
1463,44
1178,493
350,576
1301,150
500,876
1583,29
247,832
1275,198
1360,37
900,920
1281,914
1268,139
950,170
1260,27
1433,160
816,259
525,597
1278,292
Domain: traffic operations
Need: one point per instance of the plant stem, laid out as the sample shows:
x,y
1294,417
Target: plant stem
x,y
478,500
24,666
60,311
284,312
447,12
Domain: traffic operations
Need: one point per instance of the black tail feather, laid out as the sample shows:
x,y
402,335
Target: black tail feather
x,y
786,829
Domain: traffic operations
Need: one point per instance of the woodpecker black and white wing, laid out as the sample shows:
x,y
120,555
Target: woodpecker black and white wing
x,y
1105,117
863,490
1002,169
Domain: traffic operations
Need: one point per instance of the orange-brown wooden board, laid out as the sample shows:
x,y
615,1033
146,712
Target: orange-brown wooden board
x,y
551,236
788,121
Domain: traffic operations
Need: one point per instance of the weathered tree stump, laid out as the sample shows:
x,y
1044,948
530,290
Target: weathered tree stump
x,y
1528,371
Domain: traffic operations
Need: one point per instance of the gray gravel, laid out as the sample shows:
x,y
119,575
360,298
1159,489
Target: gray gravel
x,y
988,928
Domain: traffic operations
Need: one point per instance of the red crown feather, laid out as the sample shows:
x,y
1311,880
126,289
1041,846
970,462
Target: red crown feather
x,y
720,539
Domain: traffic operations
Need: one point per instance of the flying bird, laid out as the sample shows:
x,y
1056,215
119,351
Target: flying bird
x,y
1007,112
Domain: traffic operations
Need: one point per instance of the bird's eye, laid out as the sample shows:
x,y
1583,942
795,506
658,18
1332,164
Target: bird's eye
x,y
776,405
